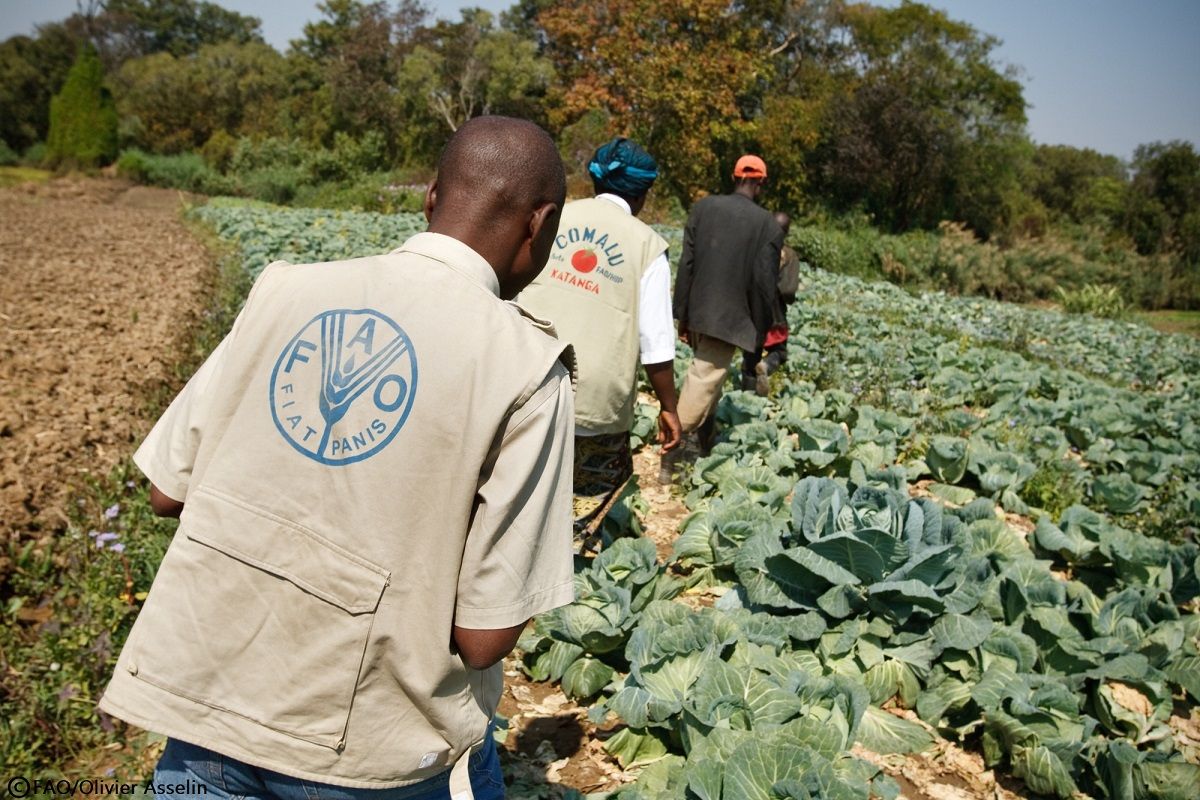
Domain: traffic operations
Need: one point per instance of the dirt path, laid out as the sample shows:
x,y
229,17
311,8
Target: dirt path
x,y
551,743
98,283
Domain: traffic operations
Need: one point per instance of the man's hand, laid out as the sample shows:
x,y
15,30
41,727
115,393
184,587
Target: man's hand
x,y
669,430
683,332
662,380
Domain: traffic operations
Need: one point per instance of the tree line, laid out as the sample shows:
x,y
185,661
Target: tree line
x,y
901,116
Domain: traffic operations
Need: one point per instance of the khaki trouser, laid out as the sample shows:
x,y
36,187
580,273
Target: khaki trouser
x,y
702,386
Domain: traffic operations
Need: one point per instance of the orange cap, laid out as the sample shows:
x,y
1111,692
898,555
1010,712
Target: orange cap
x,y
750,167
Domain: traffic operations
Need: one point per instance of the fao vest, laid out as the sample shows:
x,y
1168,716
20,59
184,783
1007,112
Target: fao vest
x,y
331,494
590,291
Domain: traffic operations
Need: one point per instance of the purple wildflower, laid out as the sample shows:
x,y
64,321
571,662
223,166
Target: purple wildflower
x,y
103,538
112,511
117,547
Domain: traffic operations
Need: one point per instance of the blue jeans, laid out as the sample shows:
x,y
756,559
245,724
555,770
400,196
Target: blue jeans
x,y
229,778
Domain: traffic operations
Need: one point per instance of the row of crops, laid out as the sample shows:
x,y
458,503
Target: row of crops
x,y
953,518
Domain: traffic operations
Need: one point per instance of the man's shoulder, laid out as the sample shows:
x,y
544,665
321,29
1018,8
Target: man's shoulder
x,y
730,208
544,335
731,203
587,202
710,201
596,210
289,269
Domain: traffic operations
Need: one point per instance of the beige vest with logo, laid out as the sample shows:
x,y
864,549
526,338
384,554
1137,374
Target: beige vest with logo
x,y
362,556
590,291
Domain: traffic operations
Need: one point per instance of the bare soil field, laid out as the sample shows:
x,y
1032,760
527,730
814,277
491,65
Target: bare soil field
x,y
99,285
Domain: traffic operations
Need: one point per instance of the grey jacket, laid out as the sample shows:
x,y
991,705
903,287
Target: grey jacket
x,y
726,286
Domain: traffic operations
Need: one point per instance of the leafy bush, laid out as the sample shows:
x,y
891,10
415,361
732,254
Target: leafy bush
x,y
218,150
8,158
1068,257
266,153
349,158
834,250
282,171
1099,301
1056,486
379,192
83,117
34,155
272,184
187,171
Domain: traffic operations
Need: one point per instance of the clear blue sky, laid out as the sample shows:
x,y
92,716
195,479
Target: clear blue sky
x,y
1105,74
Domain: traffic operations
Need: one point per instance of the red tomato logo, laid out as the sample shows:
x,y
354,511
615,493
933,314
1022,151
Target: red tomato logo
x,y
583,260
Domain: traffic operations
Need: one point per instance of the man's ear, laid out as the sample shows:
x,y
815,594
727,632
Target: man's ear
x,y
539,219
430,200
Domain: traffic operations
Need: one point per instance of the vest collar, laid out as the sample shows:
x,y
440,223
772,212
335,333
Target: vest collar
x,y
619,202
455,255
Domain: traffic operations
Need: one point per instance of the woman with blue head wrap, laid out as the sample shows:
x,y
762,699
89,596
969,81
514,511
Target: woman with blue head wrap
x,y
623,168
607,289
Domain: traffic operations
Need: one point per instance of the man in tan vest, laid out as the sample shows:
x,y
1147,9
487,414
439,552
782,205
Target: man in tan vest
x,y
370,510
607,290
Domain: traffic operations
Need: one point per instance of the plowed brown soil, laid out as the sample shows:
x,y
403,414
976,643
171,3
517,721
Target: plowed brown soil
x,y
99,283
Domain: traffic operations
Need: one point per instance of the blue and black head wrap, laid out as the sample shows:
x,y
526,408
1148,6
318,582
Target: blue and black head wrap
x,y
624,168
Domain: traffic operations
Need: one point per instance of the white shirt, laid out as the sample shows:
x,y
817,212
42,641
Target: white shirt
x,y
656,326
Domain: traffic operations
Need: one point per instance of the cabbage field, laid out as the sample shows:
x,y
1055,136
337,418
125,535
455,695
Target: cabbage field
x,y
953,518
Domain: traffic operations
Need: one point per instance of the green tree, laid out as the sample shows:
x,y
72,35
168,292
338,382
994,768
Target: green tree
x,y
810,75
922,119
83,117
32,70
127,29
1161,214
170,104
343,70
465,69
678,77
1075,183
1164,199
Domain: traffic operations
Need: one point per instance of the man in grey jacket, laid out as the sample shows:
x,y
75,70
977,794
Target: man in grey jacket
x,y
724,292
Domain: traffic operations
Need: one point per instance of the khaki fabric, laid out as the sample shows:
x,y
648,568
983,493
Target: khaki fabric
x,y
590,291
705,376
379,449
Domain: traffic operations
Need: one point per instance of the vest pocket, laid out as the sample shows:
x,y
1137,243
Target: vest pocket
x,y
259,617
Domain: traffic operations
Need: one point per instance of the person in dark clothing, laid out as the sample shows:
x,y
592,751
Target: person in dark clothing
x,y
725,291
755,368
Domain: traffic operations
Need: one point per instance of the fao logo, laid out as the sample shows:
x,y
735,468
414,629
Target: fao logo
x,y
343,386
